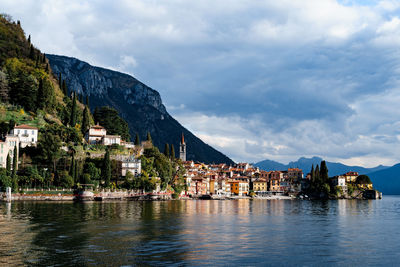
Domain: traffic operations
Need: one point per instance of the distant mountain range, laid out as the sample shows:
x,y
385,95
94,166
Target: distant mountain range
x,y
138,104
306,163
385,179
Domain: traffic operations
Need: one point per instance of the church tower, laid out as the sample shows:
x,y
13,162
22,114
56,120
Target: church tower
x,y
182,149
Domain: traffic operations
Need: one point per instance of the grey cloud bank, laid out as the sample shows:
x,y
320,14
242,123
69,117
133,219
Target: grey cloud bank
x,y
255,79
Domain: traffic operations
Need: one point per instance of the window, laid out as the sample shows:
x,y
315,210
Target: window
x,y
26,131
33,132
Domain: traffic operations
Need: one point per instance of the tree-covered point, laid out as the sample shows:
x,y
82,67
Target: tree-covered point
x,y
114,124
363,179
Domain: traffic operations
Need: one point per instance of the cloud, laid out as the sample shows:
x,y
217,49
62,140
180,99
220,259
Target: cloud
x,y
255,79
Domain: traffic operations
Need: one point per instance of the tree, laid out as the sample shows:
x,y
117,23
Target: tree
x,y
137,140
32,53
8,164
85,120
172,152
4,87
41,97
14,176
72,120
29,39
64,87
149,137
92,170
363,179
66,180
166,150
114,124
87,101
106,170
324,172
59,80
49,147
312,173
15,163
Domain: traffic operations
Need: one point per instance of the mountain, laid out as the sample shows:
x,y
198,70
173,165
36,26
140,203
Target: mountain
x,y
388,180
306,163
140,105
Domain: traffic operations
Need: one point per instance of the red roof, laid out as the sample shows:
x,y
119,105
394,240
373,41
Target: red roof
x,y
24,126
97,127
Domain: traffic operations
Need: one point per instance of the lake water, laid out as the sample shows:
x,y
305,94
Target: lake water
x,y
204,232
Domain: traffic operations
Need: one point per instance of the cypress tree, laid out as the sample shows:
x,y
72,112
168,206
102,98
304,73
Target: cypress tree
x,y
44,58
32,53
47,68
137,140
37,62
323,173
312,174
76,172
41,97
85,120
29,39
73,111
106,171
149,137
15,163
81,98
87,101
172,151
166,150
64,87
8,164
317,178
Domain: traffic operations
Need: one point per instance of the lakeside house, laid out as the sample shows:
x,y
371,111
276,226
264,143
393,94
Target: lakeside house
x,y
28,135
7,147
132,165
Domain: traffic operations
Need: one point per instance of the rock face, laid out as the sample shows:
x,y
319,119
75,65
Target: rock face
x,y
137,103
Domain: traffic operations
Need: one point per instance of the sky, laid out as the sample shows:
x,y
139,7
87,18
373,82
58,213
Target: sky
x,y
256,80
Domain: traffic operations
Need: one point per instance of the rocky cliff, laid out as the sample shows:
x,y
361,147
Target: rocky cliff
x,y
137,103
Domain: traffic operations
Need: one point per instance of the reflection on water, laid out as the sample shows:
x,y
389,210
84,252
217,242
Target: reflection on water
x,y
245,232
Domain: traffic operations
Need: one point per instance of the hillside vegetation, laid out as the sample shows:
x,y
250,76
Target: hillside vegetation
x,y
30,93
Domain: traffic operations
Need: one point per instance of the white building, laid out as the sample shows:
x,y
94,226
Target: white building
x,y
131,165
98,135
95,134
109,140
7,148
28,135
339,181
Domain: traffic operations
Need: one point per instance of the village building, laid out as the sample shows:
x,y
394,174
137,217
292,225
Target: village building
x,y
95,134
182,149
260,186
239,188
131,165
339,180
28,135
109,140
351,177
98,135
7,146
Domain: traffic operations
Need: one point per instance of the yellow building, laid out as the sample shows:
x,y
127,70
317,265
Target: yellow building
x,y
260,185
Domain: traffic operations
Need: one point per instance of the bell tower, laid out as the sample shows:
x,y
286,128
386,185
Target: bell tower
x,y
182,149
